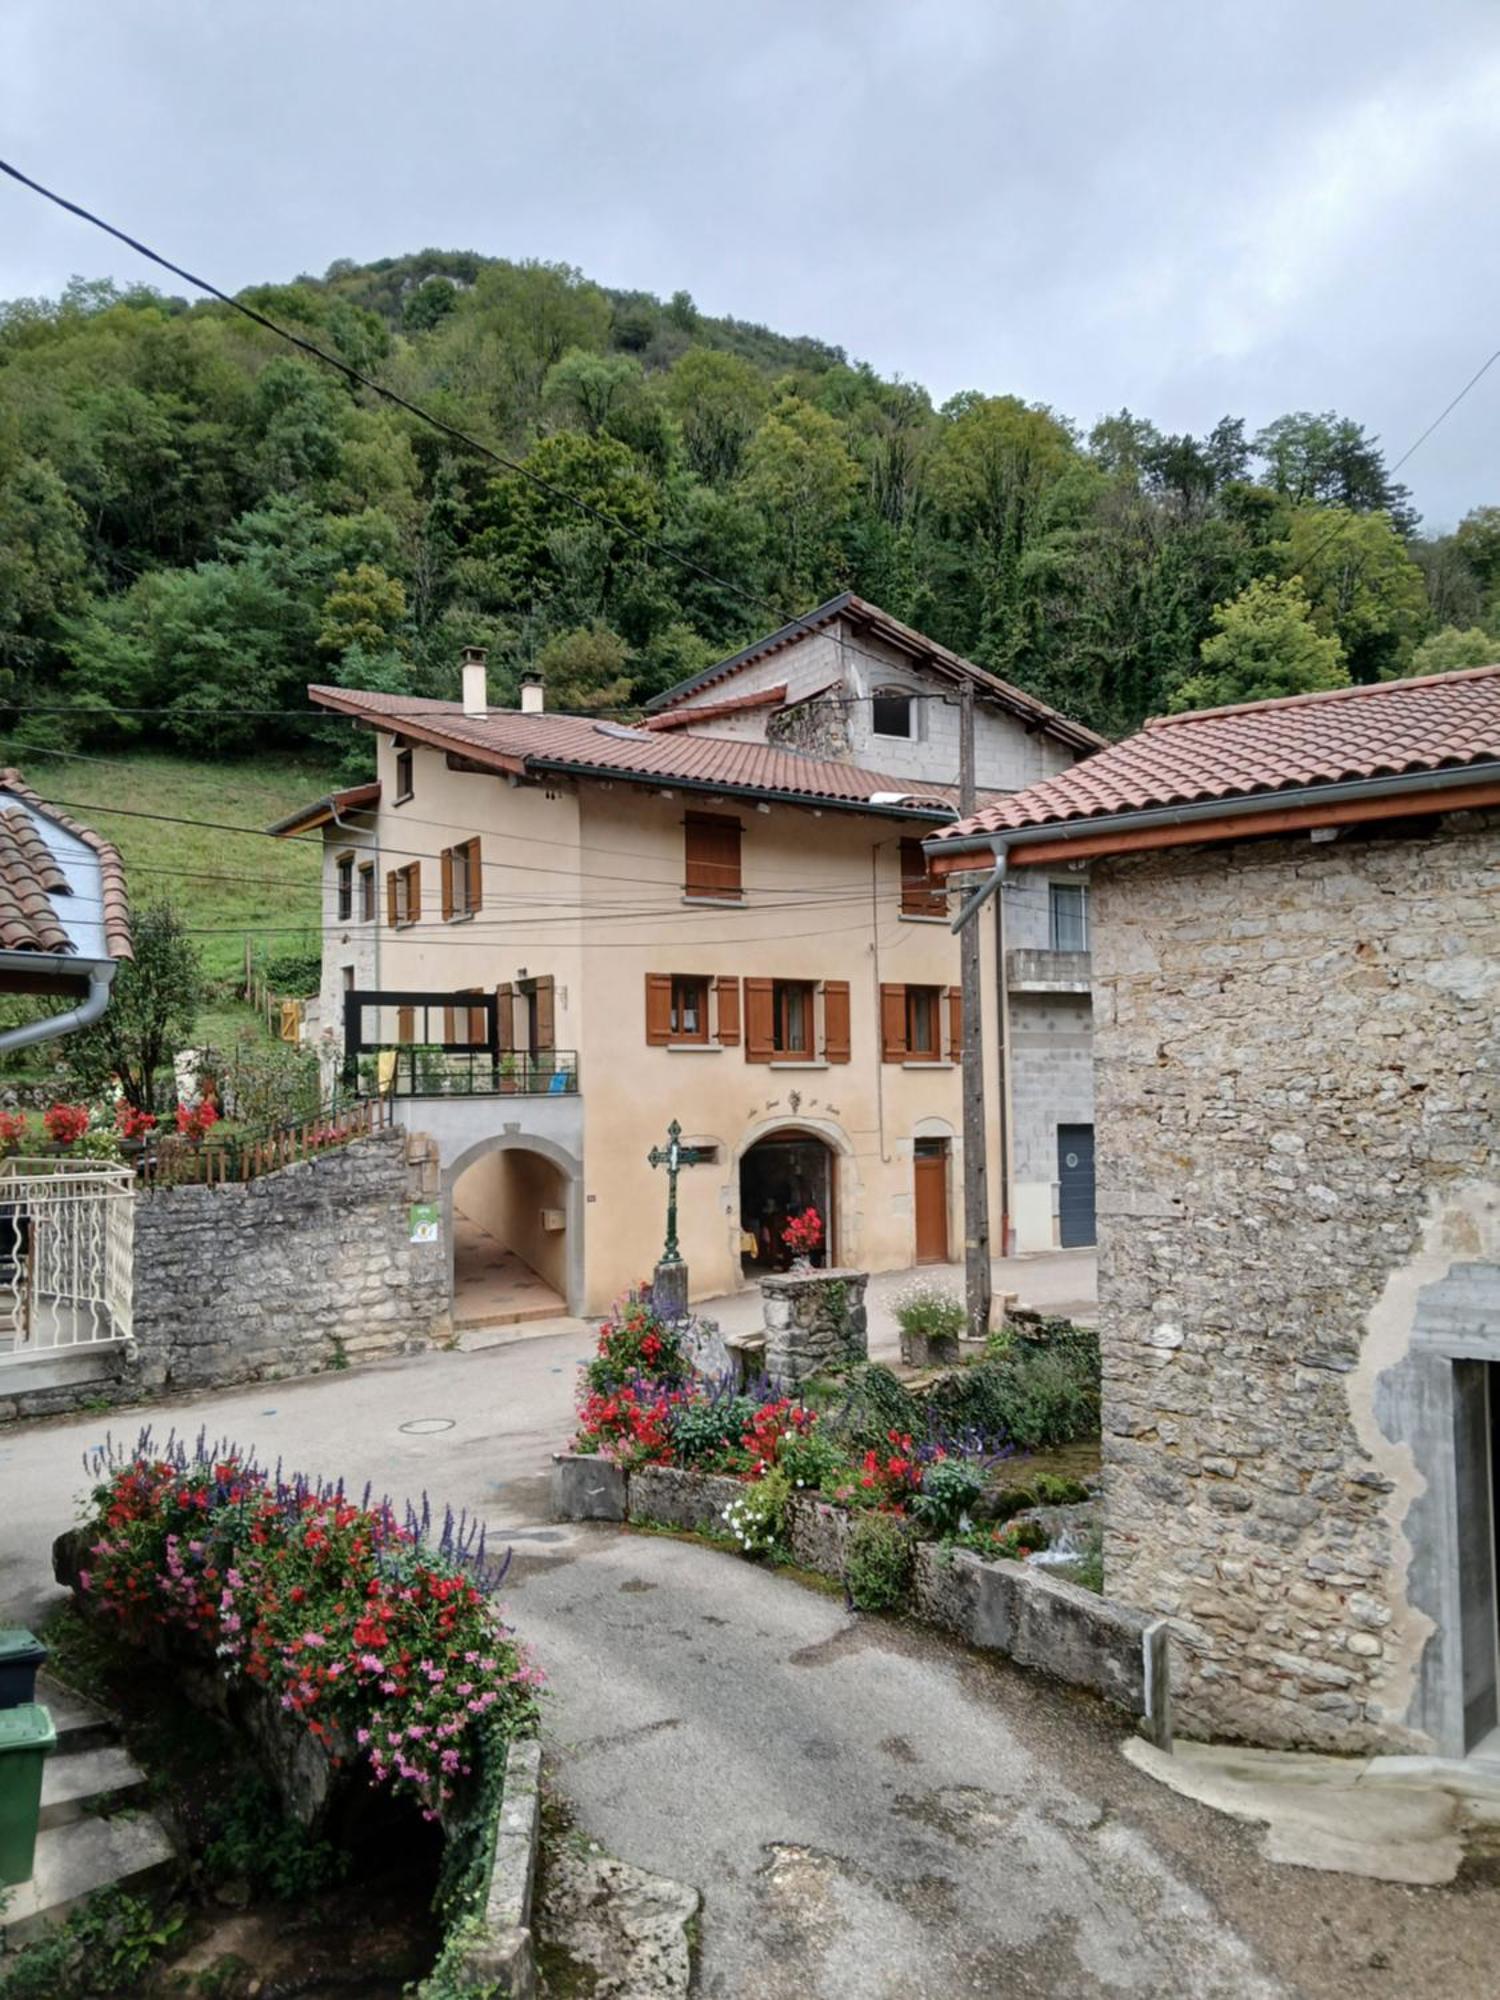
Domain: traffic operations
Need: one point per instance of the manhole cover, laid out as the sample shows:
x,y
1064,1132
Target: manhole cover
x,y
425,1426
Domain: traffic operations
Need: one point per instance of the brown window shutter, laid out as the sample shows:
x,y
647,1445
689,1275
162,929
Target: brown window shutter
x,y
476,879
658,1009
712,851
476,1027
920,895
414,894
836,1020
450,1025
760,1022
955,1023
447,870
505,1009
892,1023
544,1005
390,897
406,1024
728,992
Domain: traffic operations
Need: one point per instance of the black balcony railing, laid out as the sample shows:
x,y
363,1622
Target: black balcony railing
x,y
414,1069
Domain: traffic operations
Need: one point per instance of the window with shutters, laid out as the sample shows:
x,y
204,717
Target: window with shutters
x,y
367,893
923,1030
1067,910
462,895
406,1024
711,869
921,895
792,1002
345,876
403,888
689,1009
403,776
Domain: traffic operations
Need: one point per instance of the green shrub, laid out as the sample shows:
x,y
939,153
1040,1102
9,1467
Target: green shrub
x,y
253,1841
930,1311
950,1487
295,972
874,1404
810,1459
877,1566
707,1434
1012,1543
263,1083
1033,1396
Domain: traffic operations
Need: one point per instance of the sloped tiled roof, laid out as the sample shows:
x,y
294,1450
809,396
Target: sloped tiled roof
x,y
508,740
705,711
31,878
924,652
1391,729
332,805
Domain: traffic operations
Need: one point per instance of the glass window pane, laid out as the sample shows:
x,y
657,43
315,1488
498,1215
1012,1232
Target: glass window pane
x,y
1069,923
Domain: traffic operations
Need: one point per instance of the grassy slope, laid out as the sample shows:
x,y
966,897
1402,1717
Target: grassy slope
x,y
176,862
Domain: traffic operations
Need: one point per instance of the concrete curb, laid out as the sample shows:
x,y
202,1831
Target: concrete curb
x,y
502,1960
1031,1617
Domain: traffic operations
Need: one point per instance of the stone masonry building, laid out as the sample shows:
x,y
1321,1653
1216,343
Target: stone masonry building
x,y
1296,957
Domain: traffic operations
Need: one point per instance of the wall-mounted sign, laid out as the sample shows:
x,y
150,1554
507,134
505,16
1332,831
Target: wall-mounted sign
x,y
424,1222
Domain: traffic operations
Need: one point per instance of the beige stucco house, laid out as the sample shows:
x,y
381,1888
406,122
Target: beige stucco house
x,y
1296,964
585,929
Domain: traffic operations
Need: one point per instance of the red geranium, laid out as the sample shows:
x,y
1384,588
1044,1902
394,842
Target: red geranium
x,y
132,1122
771,1423
894,1475
199,1121
66,1123
12,1129
803,1233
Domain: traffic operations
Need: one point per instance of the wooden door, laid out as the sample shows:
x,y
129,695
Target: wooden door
x,y
931,1200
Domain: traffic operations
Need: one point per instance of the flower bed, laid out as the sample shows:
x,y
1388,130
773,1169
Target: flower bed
x,y
376,1638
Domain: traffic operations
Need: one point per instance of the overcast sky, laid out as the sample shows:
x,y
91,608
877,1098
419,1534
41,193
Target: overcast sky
x,y
1185,207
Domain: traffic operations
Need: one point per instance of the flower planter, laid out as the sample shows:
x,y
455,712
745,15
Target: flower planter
x,y
586,1487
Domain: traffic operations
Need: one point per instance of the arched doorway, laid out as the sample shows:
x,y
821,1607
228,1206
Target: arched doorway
x,y
783,1173
515,1230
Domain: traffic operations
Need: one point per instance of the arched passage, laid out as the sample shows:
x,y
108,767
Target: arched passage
x,y
783,1172
514,1210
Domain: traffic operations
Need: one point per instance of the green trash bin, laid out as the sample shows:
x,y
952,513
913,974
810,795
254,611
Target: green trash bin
x,y
26,1740
21,1653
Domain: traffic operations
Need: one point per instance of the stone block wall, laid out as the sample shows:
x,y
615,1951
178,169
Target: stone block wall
x,y
289,1273
1298,1087
814,1320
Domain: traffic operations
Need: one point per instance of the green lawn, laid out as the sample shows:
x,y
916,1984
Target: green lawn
x,y
228,885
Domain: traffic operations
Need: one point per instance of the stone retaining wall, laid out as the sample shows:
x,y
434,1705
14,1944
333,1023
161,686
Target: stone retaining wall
x,y
814,1320
1012,1608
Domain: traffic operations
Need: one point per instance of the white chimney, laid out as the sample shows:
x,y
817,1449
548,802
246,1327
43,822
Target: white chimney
x,y
533,693
476,693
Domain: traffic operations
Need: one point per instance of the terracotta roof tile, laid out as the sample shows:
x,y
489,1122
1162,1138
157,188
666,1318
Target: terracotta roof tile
x,y
1393,728
509,740
30,877
332,805
684,718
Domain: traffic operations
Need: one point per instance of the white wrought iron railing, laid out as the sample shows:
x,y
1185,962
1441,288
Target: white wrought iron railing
x,y
66,1245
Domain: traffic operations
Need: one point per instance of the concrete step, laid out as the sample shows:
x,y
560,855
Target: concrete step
x,y
74,1860
80,1723
79,1781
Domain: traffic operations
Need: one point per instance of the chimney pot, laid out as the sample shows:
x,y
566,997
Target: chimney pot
x,y
476,692
533,692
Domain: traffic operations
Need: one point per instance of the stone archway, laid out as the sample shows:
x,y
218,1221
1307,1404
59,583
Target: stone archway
x,y
798,1161
501,1225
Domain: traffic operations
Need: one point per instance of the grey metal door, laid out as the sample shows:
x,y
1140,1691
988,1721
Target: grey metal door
x,y
1075,1185
1472,1389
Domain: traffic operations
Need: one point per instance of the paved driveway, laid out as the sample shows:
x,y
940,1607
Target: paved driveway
x,y
868,1809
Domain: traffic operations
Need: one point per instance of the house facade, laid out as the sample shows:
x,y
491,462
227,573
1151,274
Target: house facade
x,y
583,930
1296,963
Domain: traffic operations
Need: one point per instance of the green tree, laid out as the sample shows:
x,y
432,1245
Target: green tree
x,y
1361,583
1329,461
801,479
365,607
429,305
153,1009
1264,644
586,671
1448,651
718,400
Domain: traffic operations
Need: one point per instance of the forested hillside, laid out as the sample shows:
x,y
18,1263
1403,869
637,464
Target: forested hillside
x,y
195,520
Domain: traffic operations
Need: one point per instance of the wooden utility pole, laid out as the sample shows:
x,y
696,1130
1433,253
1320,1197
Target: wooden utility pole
x,y
976,1171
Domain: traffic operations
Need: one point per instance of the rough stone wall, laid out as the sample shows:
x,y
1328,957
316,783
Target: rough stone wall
x,y
1297,1066
814,1320
286,1274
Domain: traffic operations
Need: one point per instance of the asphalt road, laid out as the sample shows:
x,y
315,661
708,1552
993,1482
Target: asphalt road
x,y
867,1809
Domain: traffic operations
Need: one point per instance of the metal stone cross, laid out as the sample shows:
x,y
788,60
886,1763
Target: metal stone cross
x,y
673,1156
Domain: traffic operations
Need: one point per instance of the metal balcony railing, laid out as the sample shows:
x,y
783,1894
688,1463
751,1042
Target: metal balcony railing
x,y
416,1070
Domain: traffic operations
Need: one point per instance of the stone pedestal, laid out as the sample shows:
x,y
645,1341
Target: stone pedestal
x,y
932,1350
669,1289
815,1320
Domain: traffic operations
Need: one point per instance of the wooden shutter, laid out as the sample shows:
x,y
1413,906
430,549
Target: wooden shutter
x,y
505,1011
658,1009
406,1024
836,1020
477,1029
476,879
712,849
447,870
390,898
727,992
955,1023
760,1021
892,1023
414,892
544,1013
